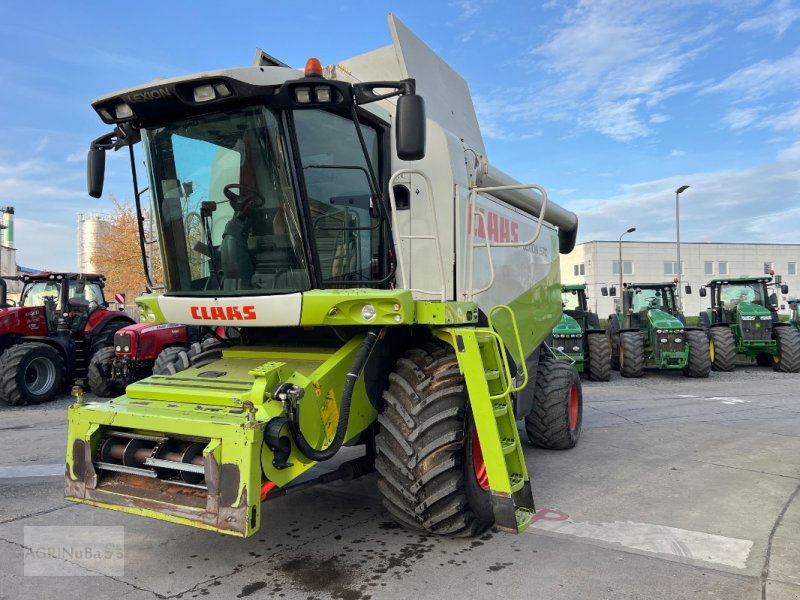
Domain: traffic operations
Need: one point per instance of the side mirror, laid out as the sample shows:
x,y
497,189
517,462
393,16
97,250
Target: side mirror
x,y
95,171
703,292
688,289
613,290
410,127
604,291
784,289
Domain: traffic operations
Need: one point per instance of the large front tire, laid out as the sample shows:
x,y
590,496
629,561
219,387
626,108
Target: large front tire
x,y
557,417
100,376
426,447
699,363
722,348
788,359
599,357
175,359
631,354
30,373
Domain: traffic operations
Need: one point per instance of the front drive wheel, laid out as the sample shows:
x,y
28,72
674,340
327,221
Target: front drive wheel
x,y
30,373
699,363
100,375
557,416
430,475
722,348
788,359
599,357
631,354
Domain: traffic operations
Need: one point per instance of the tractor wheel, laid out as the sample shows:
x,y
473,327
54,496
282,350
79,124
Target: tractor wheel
x,y
788,359
431,471
631,354
599,357
99,375
557,416
177,358
612,331
699,364
31,373
764,359
722,348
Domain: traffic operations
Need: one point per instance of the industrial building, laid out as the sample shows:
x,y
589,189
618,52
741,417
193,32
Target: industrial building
x,y
597,264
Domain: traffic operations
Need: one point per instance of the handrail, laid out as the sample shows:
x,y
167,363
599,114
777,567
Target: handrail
x,y
515,329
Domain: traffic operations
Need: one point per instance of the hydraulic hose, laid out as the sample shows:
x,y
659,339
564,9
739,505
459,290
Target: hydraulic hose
x,y
344,409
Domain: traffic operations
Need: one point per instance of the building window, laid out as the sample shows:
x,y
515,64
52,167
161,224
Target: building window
x,y
722,267
671,267
791,268
767,268
579,269
708,267
627,267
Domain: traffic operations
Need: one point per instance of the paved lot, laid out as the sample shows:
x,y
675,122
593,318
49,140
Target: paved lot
x,y
678,489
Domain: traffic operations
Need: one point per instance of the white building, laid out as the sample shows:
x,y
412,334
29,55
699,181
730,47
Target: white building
x,y
597,264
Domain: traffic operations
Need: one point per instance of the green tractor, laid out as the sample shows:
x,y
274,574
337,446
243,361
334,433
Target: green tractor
x,y
380,284
743,320
651,331
578,339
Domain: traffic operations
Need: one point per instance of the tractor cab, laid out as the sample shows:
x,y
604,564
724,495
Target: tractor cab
x,y
68,299
641,298
575,303
744,297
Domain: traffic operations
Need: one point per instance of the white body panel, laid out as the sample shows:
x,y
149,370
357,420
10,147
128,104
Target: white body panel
x,y
251,311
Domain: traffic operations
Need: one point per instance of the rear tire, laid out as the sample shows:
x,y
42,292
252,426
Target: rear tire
x,y
599,357
788,359
30,373
631,354
99,375
557,416
699,363
722,348
424,447
175,359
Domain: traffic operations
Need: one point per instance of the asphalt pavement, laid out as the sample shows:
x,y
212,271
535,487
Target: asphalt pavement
x,y
679,488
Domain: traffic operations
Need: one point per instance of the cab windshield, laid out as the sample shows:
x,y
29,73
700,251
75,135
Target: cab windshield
x,y
571,300
230,217
645,299
733,294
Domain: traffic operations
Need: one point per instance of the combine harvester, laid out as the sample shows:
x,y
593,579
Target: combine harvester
x,y
380,284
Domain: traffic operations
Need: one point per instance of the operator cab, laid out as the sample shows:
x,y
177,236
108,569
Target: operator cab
x,y
70,294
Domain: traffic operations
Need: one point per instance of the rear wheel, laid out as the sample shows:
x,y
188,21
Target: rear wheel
x,y
175,359
631,354
788,359
699,364
599,357
30,373
431,471
722,348
557,416
100,374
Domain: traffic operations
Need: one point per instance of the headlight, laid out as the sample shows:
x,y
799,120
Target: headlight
x,y
368,312
678,340
151,316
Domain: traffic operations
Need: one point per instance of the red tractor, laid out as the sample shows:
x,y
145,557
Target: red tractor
x,y
61,321
136,350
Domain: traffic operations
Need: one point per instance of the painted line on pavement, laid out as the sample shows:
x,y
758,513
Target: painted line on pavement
x,y
656,539
49,470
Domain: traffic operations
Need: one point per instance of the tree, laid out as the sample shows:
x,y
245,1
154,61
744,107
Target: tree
x,y
117,254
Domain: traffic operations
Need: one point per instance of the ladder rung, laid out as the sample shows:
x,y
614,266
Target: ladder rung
x,y
517,481
484,338
500,408
524,516
508,444
491,374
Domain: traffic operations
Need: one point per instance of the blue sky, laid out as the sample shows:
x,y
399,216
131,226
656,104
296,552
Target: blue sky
x,y
610,104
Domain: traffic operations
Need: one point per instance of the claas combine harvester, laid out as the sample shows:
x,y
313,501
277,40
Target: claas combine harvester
x,y
379,283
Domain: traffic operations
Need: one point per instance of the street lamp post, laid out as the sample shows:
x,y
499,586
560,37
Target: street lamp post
x,y
678,193
631,230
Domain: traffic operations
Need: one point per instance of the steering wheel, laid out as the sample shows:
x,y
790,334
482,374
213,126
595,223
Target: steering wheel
x,y
242,197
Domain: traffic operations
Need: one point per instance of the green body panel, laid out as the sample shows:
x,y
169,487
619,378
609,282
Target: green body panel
x,y
343,307
446,313
567,335
755,314
536,311
654,354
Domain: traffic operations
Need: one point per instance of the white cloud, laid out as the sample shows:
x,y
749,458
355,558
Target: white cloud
x,y
466,8
777,18
659,118
740,118
787,120
676,152
760,80
792,153
721,206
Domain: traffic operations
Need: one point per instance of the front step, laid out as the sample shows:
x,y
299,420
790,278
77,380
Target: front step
x,y
488,380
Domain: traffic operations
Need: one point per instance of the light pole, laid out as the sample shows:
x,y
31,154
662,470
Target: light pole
x,y
678,193
631,230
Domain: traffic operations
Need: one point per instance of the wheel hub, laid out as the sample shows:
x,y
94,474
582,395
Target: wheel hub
x,y
40,374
